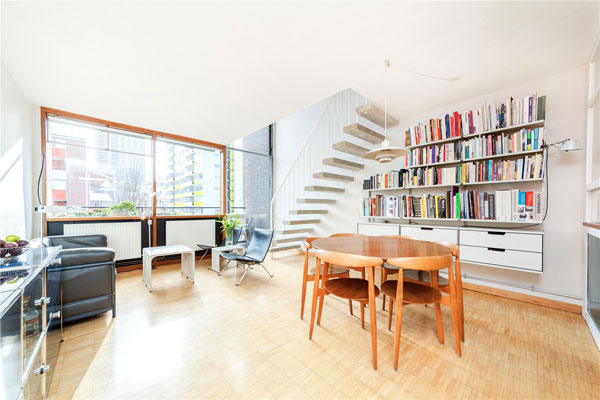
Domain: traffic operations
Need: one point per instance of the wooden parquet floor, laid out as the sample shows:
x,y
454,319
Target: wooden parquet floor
x,y
215,340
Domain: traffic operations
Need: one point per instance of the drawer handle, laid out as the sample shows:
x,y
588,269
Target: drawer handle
x,y
496,249
425,228
496,233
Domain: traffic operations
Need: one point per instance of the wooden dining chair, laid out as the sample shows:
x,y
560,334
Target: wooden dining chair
x,y
346,234
308,275
443,284
361,290
387,269
416,293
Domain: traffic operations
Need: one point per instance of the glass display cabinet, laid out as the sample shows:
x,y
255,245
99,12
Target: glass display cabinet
x,y
27,326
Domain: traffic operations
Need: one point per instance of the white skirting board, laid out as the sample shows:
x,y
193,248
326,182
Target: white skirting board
x,y
191,233
124,237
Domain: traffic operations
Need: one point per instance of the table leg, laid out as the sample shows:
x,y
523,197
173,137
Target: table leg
x,y
316,290
215,262
187,265
373,315
147,271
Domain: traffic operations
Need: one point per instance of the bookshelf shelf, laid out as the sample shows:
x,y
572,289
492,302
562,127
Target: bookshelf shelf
x,y
495,221
452,139
508,181
433,186
507,155
435,219
534,124
479,221
435,164
383,189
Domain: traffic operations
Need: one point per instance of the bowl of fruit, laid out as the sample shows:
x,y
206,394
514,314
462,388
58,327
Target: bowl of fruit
x,y
12,246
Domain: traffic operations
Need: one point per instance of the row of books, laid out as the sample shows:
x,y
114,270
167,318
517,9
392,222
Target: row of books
x,y
528,167
434,154
506,143
389,180
512,112
485,118
502,205
436,129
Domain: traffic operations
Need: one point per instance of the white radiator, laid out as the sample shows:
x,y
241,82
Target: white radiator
x,y
190,233
124,237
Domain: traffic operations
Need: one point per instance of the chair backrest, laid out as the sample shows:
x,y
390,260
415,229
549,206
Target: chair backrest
x,y
432,263
259,244
235,235
308,242
345,234
452,246
249,230
348,260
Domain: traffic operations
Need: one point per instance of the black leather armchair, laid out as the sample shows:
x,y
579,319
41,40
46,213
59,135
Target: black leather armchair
x,y
84,281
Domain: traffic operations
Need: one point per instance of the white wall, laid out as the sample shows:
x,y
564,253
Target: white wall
x,y
15,159
563,246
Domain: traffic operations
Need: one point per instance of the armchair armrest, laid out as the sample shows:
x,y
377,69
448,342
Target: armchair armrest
x,y
76,241
89,255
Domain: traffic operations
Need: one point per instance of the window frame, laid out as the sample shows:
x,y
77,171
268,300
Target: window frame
x,y
47,111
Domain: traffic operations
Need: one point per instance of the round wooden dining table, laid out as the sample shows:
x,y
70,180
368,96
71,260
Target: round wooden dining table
x,y
383,247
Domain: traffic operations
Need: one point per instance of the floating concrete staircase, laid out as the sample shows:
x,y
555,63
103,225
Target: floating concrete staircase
x,y
331,154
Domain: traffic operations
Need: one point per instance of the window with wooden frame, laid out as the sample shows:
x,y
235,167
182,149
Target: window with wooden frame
x,y
101,169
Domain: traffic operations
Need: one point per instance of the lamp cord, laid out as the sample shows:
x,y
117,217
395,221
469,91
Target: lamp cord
x,y
40,178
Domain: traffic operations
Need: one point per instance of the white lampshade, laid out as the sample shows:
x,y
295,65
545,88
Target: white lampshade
x,y
385,153
571,144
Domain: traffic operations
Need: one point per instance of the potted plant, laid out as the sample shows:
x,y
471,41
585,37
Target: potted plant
x,y
228,224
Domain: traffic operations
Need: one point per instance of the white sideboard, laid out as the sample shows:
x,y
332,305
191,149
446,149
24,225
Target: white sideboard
x,y
520,250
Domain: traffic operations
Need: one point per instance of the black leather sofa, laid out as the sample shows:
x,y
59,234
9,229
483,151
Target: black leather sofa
x,y
84,281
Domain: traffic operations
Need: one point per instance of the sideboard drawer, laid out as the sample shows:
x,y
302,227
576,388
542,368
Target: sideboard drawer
x,y
525,260
502,239
430,234
377,229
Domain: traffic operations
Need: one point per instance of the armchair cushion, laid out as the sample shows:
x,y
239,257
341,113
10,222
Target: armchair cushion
x,y
76,241
82,256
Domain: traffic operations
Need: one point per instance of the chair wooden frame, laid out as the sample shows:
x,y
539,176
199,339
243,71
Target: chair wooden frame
x,y
308,277
432,265
353,262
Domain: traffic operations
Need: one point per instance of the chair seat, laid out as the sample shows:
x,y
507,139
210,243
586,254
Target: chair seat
x,y
414,293
350,288
333,270
239,257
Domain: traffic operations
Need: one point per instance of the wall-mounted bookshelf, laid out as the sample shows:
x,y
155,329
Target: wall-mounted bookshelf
x,y
504,147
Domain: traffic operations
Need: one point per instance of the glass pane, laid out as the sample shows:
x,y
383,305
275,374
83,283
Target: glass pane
x,y
188,179
258,142
594,279
62,130
130,143
249,186
102,182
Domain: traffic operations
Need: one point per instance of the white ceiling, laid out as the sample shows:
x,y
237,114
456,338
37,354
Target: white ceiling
x,y
219,71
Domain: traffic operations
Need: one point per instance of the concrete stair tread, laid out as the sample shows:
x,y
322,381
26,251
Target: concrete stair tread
x,y
288,239
300,221
308,212
333,177
291,231
285,247
330,189
344,164
350,148
315,201
376,115
364,133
